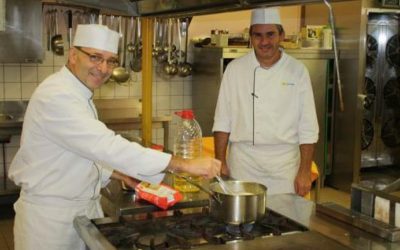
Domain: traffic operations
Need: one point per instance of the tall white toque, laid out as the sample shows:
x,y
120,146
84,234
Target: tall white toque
x,y
96,36
265,16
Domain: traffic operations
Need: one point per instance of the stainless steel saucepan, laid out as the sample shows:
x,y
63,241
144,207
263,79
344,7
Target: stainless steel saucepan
x,y
245,204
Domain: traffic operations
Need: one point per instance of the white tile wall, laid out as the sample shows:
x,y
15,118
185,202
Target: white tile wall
x,y
170,93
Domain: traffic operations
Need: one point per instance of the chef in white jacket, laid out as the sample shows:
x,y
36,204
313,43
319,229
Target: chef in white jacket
x,y
67,154
266,113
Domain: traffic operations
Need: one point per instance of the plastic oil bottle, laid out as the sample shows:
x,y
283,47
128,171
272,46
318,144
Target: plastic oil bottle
x,y
187,145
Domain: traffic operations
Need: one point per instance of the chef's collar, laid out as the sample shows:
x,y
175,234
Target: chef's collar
x,y
86,92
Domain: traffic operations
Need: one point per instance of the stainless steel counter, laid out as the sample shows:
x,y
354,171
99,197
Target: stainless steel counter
x,y
116,202
297,208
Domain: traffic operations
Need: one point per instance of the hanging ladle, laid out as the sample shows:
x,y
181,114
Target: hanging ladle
x,y
170,67
120,74
184,68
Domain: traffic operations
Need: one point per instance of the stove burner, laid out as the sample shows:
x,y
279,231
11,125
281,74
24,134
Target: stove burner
x,y
152,241
391,93
372,48
114,235
370,91
240,232
187,231
367,134
393,51
390,132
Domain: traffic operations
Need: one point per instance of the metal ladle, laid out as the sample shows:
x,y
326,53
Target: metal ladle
x,y
136,62
169,67
57,43
120,74
184,68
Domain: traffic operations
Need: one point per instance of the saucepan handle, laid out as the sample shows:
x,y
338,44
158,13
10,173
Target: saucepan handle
x,y
196,184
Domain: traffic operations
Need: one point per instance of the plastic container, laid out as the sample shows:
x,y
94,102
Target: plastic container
x,y
327,38
187,145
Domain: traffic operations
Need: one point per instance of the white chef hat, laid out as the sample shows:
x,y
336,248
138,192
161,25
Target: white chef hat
x,y
96,36
265,16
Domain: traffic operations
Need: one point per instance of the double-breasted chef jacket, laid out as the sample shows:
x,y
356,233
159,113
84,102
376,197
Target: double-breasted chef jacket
x,y
284,117
65,156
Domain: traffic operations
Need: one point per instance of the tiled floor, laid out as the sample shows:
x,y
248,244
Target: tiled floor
x,y
6,214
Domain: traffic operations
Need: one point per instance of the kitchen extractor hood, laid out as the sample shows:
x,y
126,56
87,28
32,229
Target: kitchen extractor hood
x,y
21,35
116,7
176,7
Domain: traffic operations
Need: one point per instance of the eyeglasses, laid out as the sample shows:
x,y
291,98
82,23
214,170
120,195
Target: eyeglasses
x,y
96,59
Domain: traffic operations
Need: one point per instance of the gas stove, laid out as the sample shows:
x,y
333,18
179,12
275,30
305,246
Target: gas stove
x,y
179,230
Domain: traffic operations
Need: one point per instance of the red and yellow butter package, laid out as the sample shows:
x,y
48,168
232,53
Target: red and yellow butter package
x,y
161,195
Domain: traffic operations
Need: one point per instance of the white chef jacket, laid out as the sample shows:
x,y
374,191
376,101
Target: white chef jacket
x,y
62,161
284,117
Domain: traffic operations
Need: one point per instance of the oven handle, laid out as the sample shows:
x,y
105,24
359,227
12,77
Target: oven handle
x,y
339,83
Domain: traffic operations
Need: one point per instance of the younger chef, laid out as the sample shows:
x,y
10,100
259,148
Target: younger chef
x,y
266,112
67,154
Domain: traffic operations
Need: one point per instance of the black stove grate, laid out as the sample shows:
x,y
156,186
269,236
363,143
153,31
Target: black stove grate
x,y
184,231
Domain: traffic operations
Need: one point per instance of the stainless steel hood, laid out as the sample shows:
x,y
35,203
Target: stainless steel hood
x,y
176,7
116,7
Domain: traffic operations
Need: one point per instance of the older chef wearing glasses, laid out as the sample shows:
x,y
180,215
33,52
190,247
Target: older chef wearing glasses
x,y
67,154
266,112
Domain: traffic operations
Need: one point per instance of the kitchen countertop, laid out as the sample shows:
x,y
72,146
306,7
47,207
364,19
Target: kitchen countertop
x,y
292,206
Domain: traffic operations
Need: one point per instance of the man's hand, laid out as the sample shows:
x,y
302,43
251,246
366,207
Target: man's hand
x,y
302,183
129,181
203,166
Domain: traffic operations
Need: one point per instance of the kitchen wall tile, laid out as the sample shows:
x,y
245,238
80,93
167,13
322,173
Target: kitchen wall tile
x,y
160,133
187,102
187,88
48,59
154,105
29,74
10,153
12,73
96,94
1,73
28,89
44,72
159,141
163,102
162,88
2,87
135,89
122,90
165,112
176,102
57,68
12,91
154,89
176,88
61,60
107,90
133,76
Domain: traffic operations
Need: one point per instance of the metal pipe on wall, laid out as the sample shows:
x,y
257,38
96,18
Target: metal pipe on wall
x,y
147,80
